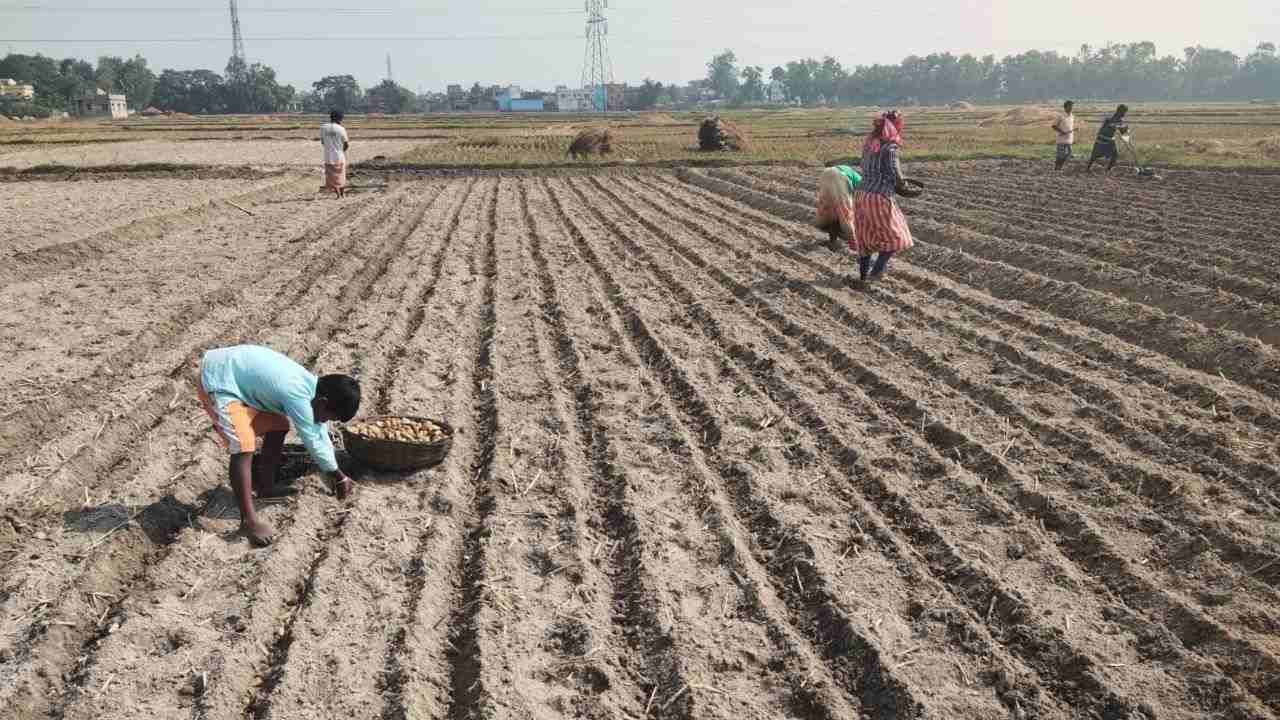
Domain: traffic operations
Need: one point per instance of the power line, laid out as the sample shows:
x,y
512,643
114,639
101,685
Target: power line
x,y
301,38
282,10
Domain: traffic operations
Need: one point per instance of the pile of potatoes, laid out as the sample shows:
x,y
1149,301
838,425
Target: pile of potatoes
x,y
400,429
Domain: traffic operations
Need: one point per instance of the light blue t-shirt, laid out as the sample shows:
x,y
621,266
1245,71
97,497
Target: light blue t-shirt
x,y
265,380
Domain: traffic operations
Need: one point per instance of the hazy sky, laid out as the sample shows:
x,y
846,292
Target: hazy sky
x,y
539,43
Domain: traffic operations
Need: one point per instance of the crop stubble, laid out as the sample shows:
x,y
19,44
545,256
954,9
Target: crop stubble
x,y
695,475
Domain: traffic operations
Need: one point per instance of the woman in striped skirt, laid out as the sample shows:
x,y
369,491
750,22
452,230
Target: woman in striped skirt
x,y
880,226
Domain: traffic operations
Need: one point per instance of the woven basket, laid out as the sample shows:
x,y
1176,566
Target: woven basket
x,y
396,455
909,188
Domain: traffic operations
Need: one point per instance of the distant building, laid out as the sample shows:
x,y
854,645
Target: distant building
x,y
100,104
777,92
572,101
617,97
513,99
12,88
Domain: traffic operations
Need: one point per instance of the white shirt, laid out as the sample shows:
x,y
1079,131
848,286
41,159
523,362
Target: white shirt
x,y
333,137
1065,124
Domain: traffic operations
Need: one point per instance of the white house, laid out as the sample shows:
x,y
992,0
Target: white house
x,y
776,92
568,100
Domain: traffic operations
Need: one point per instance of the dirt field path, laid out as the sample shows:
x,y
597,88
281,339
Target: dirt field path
x,y
1032,474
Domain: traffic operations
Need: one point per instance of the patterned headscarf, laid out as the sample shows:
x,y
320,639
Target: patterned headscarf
x,y
885,128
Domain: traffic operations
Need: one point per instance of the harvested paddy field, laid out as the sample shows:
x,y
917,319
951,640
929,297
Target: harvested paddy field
x,y
299,151
1031,474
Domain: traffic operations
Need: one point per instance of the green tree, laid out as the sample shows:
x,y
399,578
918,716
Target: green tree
x,y
37,70
828,78
190,91
75,80
649,94
1209,73
395,99
339,92
752,89
136,81
800,80
722,73
254,88
778,74
1260,77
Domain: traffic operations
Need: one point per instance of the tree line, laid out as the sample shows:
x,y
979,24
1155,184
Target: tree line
x,y
1133,71
240,88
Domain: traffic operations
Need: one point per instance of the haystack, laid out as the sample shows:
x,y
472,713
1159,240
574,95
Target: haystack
x,y
592,141
716,133
1210,147
151,112
1270,147
962,105
1020,116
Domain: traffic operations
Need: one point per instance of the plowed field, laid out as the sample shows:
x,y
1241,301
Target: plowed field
x,y
1031,474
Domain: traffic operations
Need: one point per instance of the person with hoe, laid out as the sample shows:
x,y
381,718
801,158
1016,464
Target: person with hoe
x,y
1065,126
880,226
1105,144
333,136
250,391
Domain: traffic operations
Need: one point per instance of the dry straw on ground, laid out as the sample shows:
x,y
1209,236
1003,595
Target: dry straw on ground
x,y
1020,116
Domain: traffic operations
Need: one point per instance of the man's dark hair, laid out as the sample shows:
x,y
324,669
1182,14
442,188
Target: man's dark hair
x,y
341,394
1068,105
335,116
1122,109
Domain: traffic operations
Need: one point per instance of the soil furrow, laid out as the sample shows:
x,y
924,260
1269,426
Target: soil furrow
x,y
1086,687
128,547
435,379
1166,486
542,594
39,423
1206,406
1181,212
791,558
858,663
1215,309
1179,225
45,261
468,654
319,551
1250,362
374,512
576,356
837,358
666,667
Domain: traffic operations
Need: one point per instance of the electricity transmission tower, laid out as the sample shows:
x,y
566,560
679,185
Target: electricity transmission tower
x,y
389,76
597,68
237,40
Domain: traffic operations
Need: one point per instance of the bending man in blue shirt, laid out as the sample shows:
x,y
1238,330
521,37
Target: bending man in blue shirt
x,y
251,391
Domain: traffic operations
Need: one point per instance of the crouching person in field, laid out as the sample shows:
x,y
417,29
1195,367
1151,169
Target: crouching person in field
x,y
835,205
251,391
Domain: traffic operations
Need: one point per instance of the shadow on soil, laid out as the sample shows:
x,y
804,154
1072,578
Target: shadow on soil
x,y
161,521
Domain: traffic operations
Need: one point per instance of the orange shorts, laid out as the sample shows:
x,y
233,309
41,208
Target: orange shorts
x,y
238,425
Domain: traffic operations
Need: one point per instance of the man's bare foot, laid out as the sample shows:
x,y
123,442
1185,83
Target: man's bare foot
x,y
343,487
258,532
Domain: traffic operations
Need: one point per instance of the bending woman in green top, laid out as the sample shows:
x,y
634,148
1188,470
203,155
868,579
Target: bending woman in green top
x,y
835,204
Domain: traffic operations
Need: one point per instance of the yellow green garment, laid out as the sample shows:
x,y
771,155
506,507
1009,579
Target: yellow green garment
x,y
852,175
